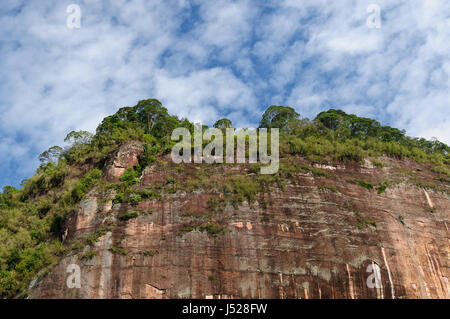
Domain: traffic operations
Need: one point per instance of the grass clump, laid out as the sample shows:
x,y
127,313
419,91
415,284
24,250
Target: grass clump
x,y
185,229
131,214
328,188
211,277
88,255
318,172
442,179
429,186
381,188
377,163
149,253
365,184
365,222
216,204
134,199
212,229
119,198
118,250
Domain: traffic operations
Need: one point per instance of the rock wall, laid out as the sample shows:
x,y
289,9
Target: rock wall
x,y
306,241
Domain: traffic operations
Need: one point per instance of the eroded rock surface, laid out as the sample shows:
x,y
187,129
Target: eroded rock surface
x,y
127,156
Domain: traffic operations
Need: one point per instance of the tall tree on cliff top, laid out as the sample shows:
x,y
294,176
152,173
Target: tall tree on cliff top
x,y
277,116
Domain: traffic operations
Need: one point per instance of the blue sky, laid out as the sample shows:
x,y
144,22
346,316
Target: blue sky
x,y
207,59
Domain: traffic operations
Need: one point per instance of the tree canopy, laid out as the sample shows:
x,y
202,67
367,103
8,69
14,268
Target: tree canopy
x,y
51,155
223,123
277,116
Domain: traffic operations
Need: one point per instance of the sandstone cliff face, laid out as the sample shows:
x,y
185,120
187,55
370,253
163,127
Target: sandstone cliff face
x,y
305,241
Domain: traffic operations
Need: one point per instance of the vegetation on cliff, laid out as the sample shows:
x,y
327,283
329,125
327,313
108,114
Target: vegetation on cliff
x,y
31,218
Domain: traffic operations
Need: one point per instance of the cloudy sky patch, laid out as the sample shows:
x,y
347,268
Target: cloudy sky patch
x,y
207,59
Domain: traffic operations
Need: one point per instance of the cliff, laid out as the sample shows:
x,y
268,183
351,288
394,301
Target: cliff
x,y
355,210
314,236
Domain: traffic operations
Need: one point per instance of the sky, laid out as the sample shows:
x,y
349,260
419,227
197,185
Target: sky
x,y
210,59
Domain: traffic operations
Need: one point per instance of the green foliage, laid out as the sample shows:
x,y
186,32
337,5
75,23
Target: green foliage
x,y
147,194
337,136
185,229
277,116
47,177
134,199
149,155
130,176
83,186
30,232
381,188
52,155
128,215
318,172
79,145
441,169
119,198
149,253
377,163
242,188
365,184
92,238
216,203
212,229
118,250
443,179
429,185
364,222
88,255
328,188
223,123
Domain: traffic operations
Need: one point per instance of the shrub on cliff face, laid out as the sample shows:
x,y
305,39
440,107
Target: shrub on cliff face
x,y
47,177
134,199
85,183
441,169
242,188
130,176
128,215
212,229
365,184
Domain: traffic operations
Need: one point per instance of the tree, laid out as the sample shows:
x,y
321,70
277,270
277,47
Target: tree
x,y
51,155
78,138
5,197
277,116
332,119
151,112
223,123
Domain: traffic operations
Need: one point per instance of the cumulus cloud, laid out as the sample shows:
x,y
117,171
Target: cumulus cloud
x,y
208,59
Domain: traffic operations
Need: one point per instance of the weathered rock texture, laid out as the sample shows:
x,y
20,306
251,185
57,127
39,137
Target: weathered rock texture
x,y
127,156
305,241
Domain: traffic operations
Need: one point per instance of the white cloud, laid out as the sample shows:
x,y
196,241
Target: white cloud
x,y
206,59
203,95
